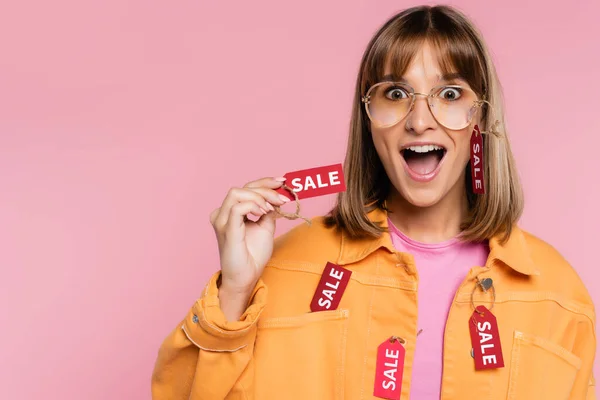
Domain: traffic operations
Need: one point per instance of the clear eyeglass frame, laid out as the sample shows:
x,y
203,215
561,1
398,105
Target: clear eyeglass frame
x,y
433,93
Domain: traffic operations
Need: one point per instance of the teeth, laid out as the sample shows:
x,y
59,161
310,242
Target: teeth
x,y
425,148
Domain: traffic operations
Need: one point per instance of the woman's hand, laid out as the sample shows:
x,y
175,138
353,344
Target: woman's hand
x,y
245,246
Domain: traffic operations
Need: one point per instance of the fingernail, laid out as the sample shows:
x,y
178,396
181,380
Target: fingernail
x,y
283,198
263,210
281,179
270,207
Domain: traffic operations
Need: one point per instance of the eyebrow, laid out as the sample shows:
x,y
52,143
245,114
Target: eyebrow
x,y
445,77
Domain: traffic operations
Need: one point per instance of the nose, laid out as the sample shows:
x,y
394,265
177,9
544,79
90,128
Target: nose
x,y
420,118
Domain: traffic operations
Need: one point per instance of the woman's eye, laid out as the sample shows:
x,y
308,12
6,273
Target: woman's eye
x,y
396,94
450,93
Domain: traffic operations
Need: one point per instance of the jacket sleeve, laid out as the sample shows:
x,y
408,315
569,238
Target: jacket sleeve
x,y
591,394
584,387
205,356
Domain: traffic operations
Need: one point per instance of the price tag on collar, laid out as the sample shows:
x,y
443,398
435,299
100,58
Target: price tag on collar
x,y
389,369
485,339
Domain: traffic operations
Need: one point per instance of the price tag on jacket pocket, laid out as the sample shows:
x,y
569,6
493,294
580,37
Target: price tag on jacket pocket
x,y
331,288
485,339
389,369
314,182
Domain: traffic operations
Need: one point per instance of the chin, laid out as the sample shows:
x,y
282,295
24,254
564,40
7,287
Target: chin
x,y
422,198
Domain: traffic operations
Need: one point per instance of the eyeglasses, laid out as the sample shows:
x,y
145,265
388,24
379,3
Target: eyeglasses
x,y
453,106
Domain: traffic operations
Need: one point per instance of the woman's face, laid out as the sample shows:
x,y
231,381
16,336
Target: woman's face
x,y
424,178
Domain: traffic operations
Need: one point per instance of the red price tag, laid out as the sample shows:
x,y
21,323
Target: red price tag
x,y
389,369
314,182
477,161
331,288
485,339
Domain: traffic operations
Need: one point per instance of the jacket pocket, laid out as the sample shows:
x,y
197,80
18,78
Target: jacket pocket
x,y
301,357
540,369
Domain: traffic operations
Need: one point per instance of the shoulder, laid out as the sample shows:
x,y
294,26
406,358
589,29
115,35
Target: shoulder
x,y
314,243
556,273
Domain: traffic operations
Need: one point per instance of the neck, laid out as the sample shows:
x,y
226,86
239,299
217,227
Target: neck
x,y
434,224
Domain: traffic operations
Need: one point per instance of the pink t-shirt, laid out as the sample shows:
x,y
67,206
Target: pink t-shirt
x,y
442,267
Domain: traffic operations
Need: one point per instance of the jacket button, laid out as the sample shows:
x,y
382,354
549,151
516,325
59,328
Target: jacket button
x,y
195,319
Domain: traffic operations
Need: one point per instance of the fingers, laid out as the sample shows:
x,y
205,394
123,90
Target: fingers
x,y
213,216
267,221
237,214
238,195
260,192
270,183
271,196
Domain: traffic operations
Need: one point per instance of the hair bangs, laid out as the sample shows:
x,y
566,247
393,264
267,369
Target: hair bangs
x,y
455,47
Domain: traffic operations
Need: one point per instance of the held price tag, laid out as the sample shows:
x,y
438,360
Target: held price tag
x,y
485,339
477,161
331,288
314,182
389,369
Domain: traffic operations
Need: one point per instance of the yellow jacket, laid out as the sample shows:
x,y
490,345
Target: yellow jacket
x,y
280,350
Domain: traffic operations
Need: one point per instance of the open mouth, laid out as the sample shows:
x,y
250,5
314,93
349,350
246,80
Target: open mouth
x,y
423,161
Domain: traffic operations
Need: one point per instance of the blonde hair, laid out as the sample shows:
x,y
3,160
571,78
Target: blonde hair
x,y
460,48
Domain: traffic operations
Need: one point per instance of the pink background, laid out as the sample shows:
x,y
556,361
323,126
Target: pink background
x,y
123,124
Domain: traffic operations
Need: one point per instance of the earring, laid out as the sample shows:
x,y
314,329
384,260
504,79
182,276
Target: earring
x,y
477,165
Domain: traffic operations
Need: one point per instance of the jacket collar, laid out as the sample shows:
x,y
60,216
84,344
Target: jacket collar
x,y
514,253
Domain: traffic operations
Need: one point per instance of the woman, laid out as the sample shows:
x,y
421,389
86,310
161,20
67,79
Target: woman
x,y
416,284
